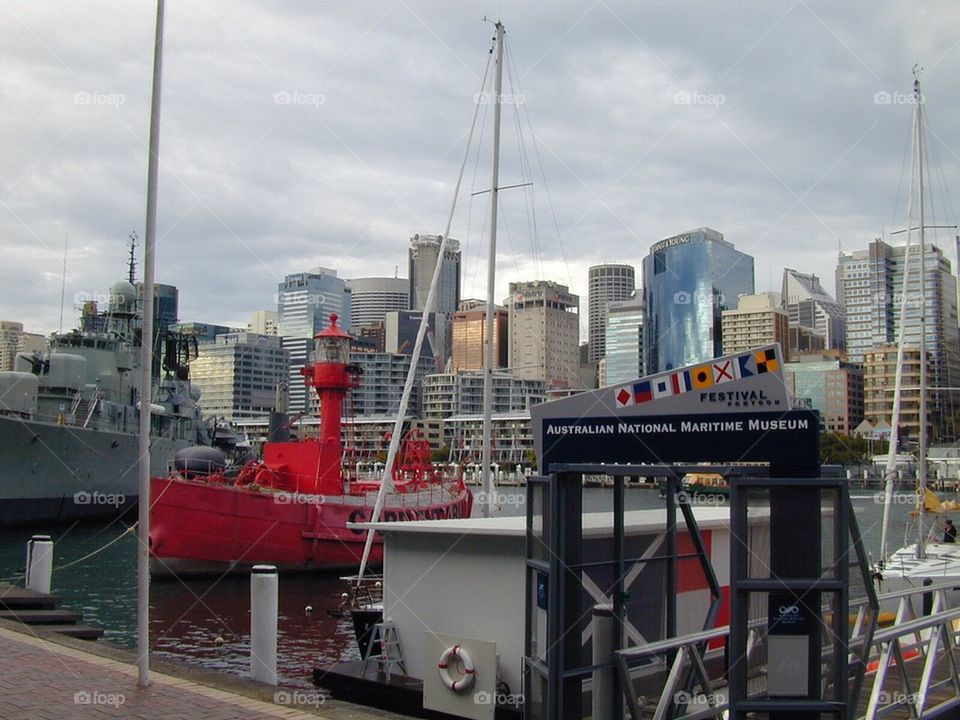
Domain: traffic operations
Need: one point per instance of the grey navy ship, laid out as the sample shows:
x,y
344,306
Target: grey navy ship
x,y
69,418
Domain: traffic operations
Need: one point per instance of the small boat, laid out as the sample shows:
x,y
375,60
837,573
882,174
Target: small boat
x,y
706,485
295,508
701,485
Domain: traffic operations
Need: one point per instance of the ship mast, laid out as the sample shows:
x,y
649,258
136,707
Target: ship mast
x,y
915,192
486,449
922,459
132,262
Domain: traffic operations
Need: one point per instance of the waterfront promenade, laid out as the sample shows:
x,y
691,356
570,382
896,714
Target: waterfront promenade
x,y
47,677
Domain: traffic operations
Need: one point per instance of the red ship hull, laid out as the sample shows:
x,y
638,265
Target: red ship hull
x,y
292,508
201,527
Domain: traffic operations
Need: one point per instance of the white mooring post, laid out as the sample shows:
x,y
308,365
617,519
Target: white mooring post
x,y
604,645
39,563
264,607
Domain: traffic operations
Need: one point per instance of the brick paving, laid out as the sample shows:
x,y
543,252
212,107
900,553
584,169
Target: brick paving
x,y
44,680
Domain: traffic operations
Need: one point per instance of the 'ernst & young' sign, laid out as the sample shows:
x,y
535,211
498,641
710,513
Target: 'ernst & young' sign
x,y
669,243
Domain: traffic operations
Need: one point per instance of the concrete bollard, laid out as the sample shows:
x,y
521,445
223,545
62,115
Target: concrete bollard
x,y
39,563
604,645
264,608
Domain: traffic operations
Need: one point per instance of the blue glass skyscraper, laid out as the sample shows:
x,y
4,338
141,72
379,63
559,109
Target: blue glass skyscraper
x,y
688,281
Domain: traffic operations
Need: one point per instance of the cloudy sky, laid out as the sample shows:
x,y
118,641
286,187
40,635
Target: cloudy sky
x,y
301,133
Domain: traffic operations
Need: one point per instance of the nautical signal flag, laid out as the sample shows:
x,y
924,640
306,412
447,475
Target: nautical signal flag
x,y
642,392
702,376
745,366
723,371
624,396
767,361
661,387
680,382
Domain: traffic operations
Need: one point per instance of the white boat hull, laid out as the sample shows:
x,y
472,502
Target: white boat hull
x,y
904,571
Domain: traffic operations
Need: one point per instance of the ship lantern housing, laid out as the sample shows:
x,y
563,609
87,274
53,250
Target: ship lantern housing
x,y
332,345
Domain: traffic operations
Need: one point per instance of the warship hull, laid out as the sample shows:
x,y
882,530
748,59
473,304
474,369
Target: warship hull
x,y
53,473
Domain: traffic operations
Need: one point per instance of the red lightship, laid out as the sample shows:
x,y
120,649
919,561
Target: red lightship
x,y
291,508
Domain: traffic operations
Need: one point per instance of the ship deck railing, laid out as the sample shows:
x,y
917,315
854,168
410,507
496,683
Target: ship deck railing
x,y
910,670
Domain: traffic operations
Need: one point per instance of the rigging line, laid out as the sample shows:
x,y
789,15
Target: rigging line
x,y
526,168
474,266
906,157
418,345
952,368
99,550
894,440
529,197
546,189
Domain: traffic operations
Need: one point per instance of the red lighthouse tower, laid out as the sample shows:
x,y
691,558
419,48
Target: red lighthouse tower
x,y
331,376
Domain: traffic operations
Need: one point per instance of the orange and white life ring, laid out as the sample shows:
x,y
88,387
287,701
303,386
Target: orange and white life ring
x,y
461,684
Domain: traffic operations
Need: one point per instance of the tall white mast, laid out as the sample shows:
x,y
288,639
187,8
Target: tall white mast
x,y
894,442
491,278
146,366
922,460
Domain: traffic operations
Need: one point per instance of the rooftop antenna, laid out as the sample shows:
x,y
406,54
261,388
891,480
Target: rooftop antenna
x,y
63,280
396,271
132,263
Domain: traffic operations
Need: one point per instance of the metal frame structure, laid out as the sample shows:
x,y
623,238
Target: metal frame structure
x,y
801,588
554,560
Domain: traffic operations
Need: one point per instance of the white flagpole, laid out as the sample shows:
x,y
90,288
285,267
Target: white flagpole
x,y
146,363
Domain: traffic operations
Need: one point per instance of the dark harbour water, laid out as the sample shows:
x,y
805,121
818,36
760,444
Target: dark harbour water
x,y
187,617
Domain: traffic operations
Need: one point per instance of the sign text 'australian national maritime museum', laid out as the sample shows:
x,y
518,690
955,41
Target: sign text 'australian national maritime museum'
x,y
731,409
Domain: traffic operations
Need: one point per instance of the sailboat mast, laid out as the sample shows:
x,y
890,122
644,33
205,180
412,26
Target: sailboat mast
x,y
922,459
486,442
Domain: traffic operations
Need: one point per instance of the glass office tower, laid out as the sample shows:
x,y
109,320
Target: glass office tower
x,y
689,280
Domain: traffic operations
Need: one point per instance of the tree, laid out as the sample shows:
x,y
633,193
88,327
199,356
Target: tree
x,y
837,449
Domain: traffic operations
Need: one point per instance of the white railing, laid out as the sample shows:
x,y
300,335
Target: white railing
x,y
912,669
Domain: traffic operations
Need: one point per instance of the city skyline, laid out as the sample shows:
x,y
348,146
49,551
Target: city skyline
x,y
781,126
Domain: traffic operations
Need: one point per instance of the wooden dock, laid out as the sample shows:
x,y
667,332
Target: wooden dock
x,y
43,612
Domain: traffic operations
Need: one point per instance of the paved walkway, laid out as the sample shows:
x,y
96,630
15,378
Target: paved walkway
x,y
44,680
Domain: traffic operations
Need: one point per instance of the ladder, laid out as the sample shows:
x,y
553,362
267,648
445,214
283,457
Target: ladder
x,y
386,642
93,406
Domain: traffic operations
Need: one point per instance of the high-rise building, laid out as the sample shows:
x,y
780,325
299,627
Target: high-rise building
x,y
758,320
624,342
238,374
688,281
607,283
166,301
400,333
869,284
809,305
544,332
305,302
469,351
381,384
10,333
879,383
461,393
264,322
423,255
831,386
371,298
805,340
